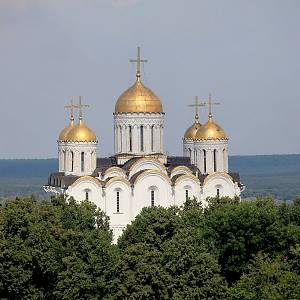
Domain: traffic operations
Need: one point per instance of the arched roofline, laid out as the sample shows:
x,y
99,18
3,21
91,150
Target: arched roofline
x,y
190,176
217,174
114,179
181,167
86,178
146,159
152,172
114,168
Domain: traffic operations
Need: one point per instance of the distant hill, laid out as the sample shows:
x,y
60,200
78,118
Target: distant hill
x,y
276,175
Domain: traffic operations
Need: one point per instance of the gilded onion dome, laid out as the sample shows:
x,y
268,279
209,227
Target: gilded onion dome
x,y
81,133
138,98
191,132
64,133
210,131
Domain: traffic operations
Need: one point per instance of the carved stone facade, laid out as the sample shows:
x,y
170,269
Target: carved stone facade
x,y
77,158
138,134
208,155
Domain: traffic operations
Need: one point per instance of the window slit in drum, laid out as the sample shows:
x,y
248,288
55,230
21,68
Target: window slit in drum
x,y
204,160
142,138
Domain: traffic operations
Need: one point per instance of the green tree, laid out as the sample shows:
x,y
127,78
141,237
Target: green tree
x,y
45,247
152,226
194,272
140,274
267,279
239,231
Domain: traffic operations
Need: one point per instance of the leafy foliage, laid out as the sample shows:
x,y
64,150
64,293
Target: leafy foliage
x,y
228,250
55,250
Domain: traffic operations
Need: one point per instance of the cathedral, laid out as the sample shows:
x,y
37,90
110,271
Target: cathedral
x,y
140,174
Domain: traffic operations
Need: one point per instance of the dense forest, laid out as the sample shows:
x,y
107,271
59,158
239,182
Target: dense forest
x,y
229,250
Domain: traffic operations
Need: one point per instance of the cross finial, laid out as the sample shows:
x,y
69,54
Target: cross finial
x,y
210,103
81,106
197,105
138,62
71,106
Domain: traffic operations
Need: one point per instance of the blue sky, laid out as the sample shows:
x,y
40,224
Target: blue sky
x,y
246,53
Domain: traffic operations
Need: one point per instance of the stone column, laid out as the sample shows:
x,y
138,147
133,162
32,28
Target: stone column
x,y
123,139
209,161
135,141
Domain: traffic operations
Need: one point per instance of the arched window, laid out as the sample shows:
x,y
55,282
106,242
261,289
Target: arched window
x,y
72,161
87,196
82,161
130,138
215,160
186,194
152,138
152,198
218,192
142,138
118,201
204,161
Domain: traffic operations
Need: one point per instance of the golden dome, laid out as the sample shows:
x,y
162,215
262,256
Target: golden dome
x,y
191,132
81,133
138,98
210,131
64,133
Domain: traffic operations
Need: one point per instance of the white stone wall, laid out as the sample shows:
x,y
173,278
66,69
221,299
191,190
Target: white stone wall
x,y
69,157
153,128
136,194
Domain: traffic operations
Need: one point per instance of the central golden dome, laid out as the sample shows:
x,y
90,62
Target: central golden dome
x,y
191,132
81,133
138,98
211,131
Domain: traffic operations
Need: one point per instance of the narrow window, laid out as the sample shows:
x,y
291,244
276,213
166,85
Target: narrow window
x,y
72,161
152,138
82,161
204,160
121,139
142,138
218,192
152,198
118,202
86,195
215,160
186,194
190,153
130,139
65,169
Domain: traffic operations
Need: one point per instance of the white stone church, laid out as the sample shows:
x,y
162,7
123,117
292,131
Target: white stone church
x,y
140,173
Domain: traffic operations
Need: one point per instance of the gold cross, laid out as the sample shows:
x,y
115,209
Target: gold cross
x,y
138,61
197,105
81,106
210,103
71,106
